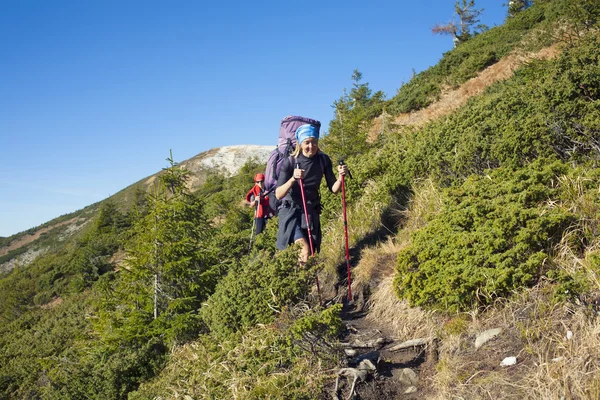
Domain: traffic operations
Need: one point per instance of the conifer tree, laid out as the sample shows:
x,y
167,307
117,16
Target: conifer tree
x,y
354,111
167,272
516,6
467,25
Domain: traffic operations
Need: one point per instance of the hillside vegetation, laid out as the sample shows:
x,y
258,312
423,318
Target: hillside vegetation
x,y
485,218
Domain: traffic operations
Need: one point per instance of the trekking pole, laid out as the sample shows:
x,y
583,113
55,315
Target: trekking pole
x,y
312,250
350,298
253,226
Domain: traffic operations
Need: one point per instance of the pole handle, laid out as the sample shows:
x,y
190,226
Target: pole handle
x,y
341,162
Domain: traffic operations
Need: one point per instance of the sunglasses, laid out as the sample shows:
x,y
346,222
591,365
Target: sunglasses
x,y
258,181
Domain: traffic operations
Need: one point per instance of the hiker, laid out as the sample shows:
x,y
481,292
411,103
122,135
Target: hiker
x,y
313,165
259,199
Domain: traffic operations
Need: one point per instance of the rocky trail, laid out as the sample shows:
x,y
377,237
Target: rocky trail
x,y
378,365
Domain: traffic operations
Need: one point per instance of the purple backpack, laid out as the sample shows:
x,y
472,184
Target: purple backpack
x,y
285,147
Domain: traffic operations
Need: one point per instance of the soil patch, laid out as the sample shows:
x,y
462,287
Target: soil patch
x,y
25,240
452,99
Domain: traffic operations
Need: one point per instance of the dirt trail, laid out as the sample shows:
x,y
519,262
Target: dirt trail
x,y
389,380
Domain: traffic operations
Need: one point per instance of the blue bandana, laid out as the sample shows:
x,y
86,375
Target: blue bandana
x,y
306,131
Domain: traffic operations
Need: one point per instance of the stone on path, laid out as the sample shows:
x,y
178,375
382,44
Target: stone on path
x,y
412,389
408,377
508,361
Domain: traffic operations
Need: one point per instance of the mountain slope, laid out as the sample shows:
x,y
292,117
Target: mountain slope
x,y
474,237
481,188
24,247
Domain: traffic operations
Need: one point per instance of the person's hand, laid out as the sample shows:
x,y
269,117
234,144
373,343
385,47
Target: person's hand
x,y
298,173
342,170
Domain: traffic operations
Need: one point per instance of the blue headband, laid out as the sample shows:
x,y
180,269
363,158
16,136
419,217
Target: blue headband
x,y
306,131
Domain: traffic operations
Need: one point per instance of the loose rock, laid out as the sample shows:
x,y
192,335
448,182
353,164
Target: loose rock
x,y
408,344
408,377
486,336
508,361
350,352
412,389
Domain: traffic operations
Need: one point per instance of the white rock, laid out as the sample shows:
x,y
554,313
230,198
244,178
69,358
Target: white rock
x,y
486,336
408,344
350,352
231,158
557,359
508,361
366,365
569,335
411,389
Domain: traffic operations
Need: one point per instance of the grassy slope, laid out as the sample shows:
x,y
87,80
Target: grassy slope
x,y
262,361
534,320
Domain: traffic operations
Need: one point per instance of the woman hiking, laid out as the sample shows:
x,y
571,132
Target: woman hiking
x,y
259,199
306,167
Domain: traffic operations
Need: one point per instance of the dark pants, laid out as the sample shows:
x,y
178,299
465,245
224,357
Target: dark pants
x,y
260,224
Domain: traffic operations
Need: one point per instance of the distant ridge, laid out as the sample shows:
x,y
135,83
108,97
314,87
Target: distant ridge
x,y
26,246
228,158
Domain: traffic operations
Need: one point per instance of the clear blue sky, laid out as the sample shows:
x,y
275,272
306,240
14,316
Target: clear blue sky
x,y
93,94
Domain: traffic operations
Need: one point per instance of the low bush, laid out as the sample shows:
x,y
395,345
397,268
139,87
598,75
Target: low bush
x,y
255,290
494,235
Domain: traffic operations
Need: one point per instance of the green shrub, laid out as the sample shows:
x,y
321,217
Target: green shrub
x,y
316,330
254,289
493,236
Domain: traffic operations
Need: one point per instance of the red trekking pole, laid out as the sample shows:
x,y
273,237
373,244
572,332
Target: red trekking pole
x,y
350,298
312,251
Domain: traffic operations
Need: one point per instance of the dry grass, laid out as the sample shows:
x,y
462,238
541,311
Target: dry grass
x,y
199,371
453,98
426,202
56,301
375,264
568,367
573,254
535,329
404,322
363,219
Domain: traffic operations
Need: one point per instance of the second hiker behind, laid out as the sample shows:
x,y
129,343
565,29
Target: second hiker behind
x,y
259,199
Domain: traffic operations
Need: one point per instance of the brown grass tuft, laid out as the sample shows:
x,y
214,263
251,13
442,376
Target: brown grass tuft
x,y
535,330
404,322
52,303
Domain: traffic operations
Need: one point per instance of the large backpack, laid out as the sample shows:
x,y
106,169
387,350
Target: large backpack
x,y
285,147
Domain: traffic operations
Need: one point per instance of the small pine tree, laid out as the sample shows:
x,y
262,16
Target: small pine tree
x,y
467,25
354,111
167,272
516,6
